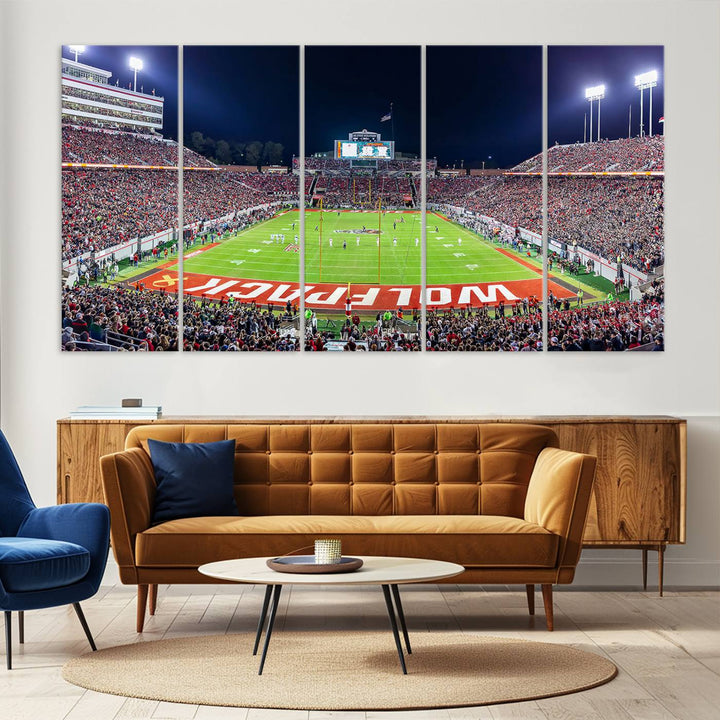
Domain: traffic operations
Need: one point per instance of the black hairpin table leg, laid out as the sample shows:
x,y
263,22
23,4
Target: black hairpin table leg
x,y
263,615
271,622
401,616
393,625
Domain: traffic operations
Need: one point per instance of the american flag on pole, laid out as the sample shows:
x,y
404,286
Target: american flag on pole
x,y
387,117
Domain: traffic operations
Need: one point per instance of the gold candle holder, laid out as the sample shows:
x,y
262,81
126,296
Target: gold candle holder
x,y
328,552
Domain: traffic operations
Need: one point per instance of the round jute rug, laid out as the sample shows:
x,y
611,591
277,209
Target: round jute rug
x,y
335,671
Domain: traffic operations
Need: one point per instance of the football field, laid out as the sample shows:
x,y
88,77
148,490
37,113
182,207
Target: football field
x,y
374,260
343,248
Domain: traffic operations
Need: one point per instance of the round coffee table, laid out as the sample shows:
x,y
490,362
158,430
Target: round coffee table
x,y
388,572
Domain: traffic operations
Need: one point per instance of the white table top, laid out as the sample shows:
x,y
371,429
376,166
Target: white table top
x,y
375,571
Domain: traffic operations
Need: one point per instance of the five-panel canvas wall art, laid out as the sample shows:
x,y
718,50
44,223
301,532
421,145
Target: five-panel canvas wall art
x,y
387,198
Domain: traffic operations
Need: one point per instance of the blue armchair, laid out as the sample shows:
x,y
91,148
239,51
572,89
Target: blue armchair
x,y
48,556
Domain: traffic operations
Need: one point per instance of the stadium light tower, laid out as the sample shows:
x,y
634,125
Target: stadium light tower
x,y
646,81
595,93
136,64
77,49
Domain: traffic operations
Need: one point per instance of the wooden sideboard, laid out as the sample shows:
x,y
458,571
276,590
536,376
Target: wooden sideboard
x,y
640,485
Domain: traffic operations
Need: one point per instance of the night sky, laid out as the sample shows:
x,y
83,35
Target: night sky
x,y
351,87
571,69
159,72
243,93
484,103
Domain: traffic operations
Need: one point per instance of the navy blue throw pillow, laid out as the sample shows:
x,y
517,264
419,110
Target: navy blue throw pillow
x,y
193,479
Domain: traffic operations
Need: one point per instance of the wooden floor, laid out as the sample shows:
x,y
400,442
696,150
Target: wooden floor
x,y
667,649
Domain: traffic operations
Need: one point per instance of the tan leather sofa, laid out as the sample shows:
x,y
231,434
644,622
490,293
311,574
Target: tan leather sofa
x,y
500,499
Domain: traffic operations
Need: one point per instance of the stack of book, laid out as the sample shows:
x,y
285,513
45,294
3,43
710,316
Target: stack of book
x,y
116,412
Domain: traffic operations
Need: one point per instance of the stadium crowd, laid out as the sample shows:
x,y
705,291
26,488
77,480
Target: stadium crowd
x,y
70,91
228,326
480,329
613,326
122,318
106,207
103,208
625,154
604,327
357,337
85,145
360,191
332,166
610,216
97,316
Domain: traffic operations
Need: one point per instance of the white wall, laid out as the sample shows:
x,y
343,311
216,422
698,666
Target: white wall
x,y
39,384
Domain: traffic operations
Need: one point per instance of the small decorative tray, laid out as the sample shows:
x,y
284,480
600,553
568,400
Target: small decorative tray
x,y
307,564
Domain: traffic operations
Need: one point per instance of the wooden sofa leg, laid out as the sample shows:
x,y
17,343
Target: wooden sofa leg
x,y
141,605
530,590
152,597
547,594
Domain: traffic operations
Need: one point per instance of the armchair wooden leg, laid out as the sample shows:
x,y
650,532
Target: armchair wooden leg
x,y
8,638
547,594
530,590
152,597
21,626
83,622
141,605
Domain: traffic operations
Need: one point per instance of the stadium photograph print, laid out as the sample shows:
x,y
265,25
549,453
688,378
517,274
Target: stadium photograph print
x,y
362,194
606,175
231,248
241,271
119,197
484,233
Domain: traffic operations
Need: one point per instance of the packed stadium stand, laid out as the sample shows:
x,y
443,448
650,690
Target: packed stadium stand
x,y
613,326
103,207
120,318
609,216
612,216
87,145
637,154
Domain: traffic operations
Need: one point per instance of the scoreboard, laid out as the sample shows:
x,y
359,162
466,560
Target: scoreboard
x,y
361,150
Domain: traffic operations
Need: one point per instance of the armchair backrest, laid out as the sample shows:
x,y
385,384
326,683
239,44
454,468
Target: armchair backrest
x,y
16,501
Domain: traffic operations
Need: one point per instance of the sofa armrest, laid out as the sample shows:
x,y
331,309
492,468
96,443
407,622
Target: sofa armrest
x,y
558,499
129,487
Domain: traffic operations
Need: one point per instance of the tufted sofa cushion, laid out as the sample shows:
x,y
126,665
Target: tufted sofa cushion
x,y
373,469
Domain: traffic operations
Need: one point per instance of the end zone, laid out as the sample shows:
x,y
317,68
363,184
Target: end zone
x,y
362,296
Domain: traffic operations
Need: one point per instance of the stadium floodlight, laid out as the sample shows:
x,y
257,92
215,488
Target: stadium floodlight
x,y
136,64
596,92
646,81
77,49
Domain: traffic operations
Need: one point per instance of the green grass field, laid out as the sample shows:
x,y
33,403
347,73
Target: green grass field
x,y
252,254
